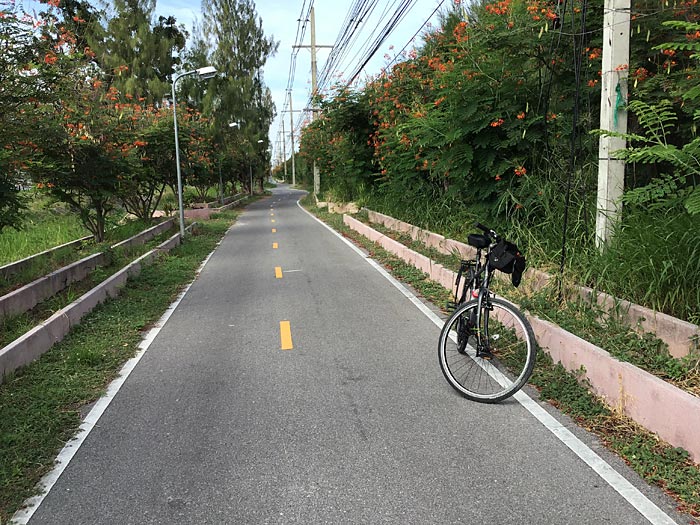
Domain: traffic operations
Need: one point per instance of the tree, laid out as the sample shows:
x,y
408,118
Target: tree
x,y
91,150
240,50
32,64
137,52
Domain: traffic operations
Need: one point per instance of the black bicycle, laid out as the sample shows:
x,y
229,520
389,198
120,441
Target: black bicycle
x,y
487,347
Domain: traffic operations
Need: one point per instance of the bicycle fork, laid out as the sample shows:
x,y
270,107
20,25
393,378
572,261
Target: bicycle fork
x,y
483,307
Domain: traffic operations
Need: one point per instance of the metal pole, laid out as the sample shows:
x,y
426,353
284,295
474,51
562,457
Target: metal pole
x,y
221,185
250,172
177,161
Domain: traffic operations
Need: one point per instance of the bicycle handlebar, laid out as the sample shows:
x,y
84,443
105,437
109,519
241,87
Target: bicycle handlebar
x,y
488,231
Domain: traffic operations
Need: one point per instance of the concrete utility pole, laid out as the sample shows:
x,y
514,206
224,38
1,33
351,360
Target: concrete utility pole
x,y
284,151
314,88
613,116
291,134
314,92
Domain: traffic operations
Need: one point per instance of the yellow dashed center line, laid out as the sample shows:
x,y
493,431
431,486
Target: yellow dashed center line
x,y
274,230
273,220
278,272
274,245
286,335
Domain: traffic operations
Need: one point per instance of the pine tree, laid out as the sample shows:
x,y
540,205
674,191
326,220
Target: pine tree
x,y
240,51
138,51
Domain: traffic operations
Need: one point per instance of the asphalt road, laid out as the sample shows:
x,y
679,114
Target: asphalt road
x,y
294,383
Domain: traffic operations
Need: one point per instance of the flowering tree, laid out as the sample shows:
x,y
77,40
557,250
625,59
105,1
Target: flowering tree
x,y
28,76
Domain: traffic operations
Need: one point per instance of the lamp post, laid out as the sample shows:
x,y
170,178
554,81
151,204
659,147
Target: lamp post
x,y
221,180
204,73
251,170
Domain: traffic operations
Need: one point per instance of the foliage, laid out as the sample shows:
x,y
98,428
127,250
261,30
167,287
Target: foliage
x,y
336,141
84,116
137,53
241,94
24,59
491,119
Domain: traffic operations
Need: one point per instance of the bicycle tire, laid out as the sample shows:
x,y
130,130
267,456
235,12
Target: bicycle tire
x,y
503,366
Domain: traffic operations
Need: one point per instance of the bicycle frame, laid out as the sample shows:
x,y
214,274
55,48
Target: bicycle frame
x,y
479,270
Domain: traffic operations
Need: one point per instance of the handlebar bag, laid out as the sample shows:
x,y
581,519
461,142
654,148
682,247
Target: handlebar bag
x,y
506,257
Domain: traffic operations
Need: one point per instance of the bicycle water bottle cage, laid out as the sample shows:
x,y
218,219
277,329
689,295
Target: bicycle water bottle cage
x,y
477,240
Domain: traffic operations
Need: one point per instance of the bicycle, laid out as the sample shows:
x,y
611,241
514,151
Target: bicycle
x,y
487,347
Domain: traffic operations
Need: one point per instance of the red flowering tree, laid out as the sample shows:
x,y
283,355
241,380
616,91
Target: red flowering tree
x,y
91,149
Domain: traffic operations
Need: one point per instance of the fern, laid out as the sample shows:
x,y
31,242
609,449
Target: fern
x,y
652,147
692,202
656,120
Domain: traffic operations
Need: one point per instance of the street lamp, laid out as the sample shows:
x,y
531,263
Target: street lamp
x,y
204,73
251,170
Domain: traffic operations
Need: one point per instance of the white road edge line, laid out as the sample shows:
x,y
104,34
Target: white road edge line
x,y
30,506
629,492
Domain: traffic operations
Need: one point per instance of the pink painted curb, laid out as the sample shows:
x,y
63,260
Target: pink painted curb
x,y
682,338
670,412
42,337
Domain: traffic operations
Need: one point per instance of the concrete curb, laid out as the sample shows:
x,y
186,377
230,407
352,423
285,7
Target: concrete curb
x,y
28,296
670,412
18,266
146,235
42,337
205,213
682,338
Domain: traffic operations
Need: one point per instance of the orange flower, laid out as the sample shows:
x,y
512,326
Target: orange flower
x,y
497,123
520,171
521,115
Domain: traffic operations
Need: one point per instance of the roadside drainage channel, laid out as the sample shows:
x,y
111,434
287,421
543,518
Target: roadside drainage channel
x,y
671,413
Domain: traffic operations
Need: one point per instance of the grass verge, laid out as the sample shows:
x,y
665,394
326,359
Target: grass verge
x,y
667,467
41,405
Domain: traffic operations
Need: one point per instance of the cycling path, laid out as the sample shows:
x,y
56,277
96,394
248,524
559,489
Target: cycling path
x,y
295,383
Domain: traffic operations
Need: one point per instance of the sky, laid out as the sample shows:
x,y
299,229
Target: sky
x,y
279,20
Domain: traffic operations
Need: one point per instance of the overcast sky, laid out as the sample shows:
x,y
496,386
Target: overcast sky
x,y
279,20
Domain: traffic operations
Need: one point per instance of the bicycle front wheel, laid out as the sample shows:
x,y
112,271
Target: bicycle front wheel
x,y
499,354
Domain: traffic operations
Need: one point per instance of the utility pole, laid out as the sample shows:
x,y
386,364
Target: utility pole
x,y
284,152
314,89
314,92
291,134
613,116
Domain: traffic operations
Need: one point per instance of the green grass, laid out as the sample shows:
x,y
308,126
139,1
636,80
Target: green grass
x,y
652,260
13,327
60,258
40,232
40,405
659,463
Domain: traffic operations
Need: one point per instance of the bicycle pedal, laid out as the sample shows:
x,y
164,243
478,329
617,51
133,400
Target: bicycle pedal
x,y
485,354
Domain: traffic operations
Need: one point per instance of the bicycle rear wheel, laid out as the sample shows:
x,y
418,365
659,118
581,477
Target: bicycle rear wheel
x,y
500,353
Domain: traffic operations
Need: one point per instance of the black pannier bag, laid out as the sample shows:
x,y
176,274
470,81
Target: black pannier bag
x,y
506,257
